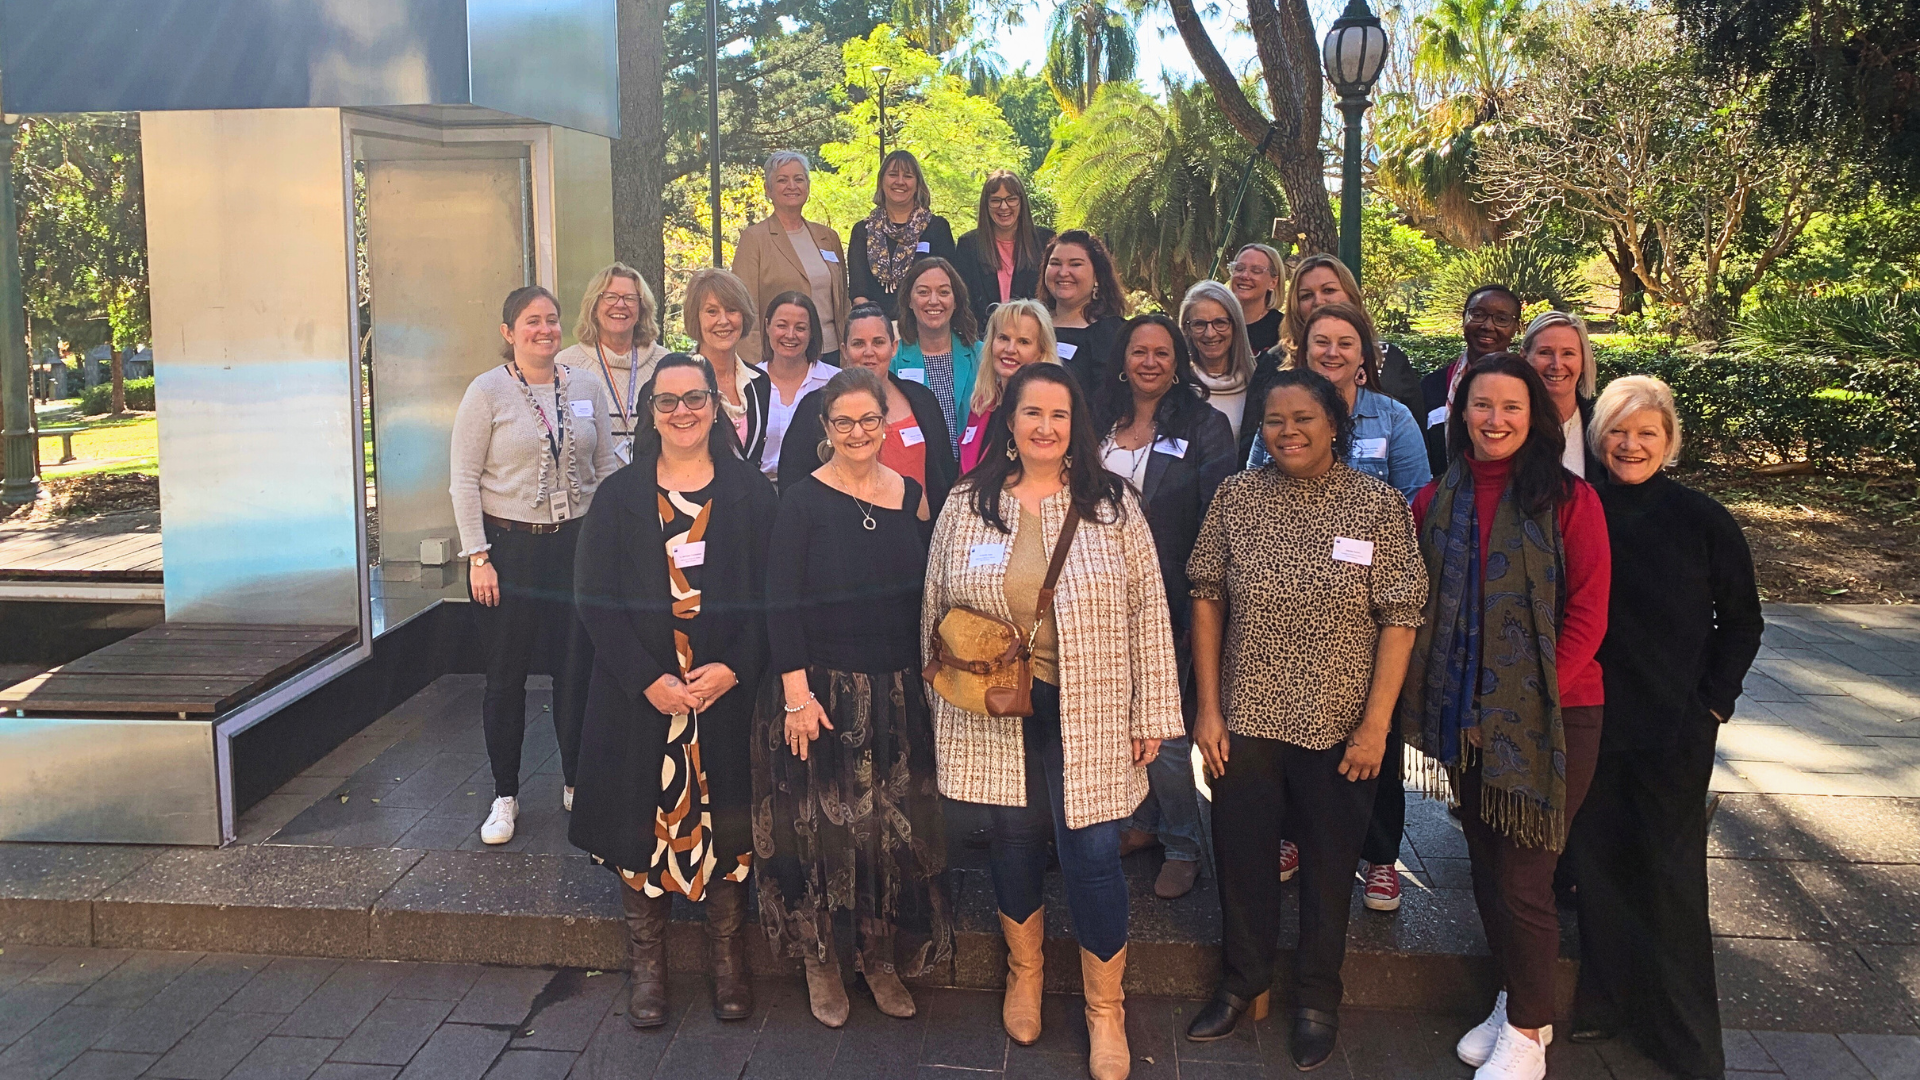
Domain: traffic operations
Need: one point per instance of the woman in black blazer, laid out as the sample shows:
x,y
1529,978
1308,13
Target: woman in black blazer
x,y
671,586
901,230
1161,435
1005,246
718,315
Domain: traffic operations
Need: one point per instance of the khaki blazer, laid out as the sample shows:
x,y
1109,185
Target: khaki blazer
x,y
764,259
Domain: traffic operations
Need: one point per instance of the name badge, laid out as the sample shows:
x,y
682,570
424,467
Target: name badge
x,y
923,247
623,449
1171,447
1066,349
971,432
694,553
1359,552
1369,448
910,436
582,408
830,256
560,502
913,374
1437,416
986,555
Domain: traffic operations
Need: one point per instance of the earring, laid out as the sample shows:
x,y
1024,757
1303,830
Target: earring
x,y
1123,376
1012,454
1068,461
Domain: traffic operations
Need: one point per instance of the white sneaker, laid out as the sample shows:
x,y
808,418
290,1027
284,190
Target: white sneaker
x,y
1476,1046
566,798
1515,1057
499,826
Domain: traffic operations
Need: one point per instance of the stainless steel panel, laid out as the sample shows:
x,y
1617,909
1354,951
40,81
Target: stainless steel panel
x,y
551,60
582,214
108,781
248,240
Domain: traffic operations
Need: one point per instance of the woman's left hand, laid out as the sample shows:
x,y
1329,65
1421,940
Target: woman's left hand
x,y
1364,753
708,681
1145,750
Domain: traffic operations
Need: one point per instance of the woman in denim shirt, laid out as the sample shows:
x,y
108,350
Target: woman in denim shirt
x,y
1337,340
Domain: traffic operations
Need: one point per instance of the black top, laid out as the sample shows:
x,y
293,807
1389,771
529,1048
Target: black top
x,y
839,594
1182,473
1399,381
860,280
1092,350
800,456
979,266
1268,365
1263,333
1684,621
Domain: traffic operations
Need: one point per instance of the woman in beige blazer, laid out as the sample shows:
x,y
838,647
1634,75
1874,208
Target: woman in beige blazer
x,y
788,252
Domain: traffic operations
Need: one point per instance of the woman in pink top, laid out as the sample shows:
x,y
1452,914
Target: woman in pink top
x,y
1019,333
1000,259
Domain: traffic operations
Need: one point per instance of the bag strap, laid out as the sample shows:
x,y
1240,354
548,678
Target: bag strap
x,y
1060,546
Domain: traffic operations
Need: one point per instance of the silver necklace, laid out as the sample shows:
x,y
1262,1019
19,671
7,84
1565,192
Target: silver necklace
x,y
865,508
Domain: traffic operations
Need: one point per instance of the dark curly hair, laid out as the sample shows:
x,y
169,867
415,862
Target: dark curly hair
x,y
1330,401
1539,481
1097,494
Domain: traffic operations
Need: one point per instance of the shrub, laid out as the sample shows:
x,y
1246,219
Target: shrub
x,y
1529,267
96,400
1882,325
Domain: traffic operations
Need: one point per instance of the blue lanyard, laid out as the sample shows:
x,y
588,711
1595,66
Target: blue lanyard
x,y
554,440
630,406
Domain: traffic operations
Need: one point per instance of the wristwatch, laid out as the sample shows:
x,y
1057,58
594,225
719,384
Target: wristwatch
x,y
478,558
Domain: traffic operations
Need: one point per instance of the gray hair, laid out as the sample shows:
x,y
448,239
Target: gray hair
x,y
1242,354
1589,378
782,157
1629,394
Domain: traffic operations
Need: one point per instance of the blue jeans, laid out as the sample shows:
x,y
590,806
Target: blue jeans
x,y
1172,807
1089,857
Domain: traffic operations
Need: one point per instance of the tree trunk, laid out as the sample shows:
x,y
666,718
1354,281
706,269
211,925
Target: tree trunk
x,y
1632,294
639,155
117,365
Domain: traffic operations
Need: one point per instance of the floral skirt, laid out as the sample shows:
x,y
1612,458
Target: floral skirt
x,y
856,828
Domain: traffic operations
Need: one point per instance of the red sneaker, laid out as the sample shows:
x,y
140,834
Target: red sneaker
x,y
1289,860
1382,887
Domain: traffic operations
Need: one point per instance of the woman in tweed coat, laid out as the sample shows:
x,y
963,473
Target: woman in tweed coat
x,y
1104,688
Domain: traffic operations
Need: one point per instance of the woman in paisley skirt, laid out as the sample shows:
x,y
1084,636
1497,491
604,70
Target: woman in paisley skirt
x,y
846,813
671,586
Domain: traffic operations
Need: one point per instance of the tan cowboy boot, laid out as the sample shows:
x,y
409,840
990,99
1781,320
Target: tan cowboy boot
x,y
1020,1013
1106,1015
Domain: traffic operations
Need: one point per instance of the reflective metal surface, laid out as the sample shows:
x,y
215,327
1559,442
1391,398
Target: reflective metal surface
x,y
548,60
248,230
582,215
109,781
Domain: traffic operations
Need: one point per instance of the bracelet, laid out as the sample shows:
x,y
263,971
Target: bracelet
x,y
791,709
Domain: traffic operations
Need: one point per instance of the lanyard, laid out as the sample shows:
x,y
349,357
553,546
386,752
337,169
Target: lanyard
x,y
554,439
630,405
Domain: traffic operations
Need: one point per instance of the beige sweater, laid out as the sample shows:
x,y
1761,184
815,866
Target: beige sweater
x,y
501,461
1117,677
585,363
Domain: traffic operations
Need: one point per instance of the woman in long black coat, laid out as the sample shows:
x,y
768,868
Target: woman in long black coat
x,y
671,585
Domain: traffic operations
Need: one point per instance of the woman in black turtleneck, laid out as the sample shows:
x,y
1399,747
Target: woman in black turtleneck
x,y
1683,626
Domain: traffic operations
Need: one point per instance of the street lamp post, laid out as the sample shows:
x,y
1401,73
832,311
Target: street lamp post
x,y
1354,52
880,73
22,480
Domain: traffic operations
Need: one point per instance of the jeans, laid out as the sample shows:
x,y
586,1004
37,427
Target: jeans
x,y
535,616
1172,807
1089,857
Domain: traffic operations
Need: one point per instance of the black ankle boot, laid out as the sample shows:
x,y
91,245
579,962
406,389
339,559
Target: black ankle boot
x,y
1217,1018
647,955
732,982
1314,1033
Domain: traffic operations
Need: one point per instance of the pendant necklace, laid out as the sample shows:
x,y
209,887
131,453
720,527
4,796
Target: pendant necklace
x,y
865,508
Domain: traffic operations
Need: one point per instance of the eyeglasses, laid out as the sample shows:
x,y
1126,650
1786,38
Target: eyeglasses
x,y
869,423
694,400
1215,326
1249,268
617,299
1007,202
1496,319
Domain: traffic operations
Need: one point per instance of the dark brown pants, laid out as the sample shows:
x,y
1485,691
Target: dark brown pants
x,y
1513,885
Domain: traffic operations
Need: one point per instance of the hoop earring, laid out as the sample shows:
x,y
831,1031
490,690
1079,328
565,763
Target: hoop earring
x,y
1012,454
1123,376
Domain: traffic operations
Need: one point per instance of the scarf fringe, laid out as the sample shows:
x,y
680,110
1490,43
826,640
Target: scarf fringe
x,y
1521,819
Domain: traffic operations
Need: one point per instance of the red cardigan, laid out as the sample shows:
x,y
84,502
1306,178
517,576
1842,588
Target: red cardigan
x,y
1583,527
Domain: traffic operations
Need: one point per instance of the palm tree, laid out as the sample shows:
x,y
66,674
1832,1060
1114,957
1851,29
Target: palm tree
x,y
1089,44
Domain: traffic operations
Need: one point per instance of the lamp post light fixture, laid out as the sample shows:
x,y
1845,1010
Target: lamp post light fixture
x,y
880,75
1354,52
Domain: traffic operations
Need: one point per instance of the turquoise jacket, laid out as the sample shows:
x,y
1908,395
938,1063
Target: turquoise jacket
x,y
907,364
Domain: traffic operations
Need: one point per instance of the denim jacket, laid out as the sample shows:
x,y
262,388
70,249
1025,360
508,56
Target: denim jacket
x,y
1387,444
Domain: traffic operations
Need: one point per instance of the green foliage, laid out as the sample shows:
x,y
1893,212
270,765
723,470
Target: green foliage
x,y
1029,106
1156,182
1881,325
1090,44
97,400
1533,267
1397,263
1870,243
779,89
83,237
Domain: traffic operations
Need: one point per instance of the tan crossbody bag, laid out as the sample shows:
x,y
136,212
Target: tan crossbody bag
x,y
983,663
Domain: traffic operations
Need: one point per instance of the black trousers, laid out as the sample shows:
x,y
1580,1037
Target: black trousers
x,y
533,627
1646,949
1274,789
1382,845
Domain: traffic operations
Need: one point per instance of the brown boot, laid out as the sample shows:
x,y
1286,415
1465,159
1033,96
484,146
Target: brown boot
x,y
876,964
1020,1012
647,955
1100,981
826,992
732,982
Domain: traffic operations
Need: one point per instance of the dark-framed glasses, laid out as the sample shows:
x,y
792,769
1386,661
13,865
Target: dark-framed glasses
x,y
1498,319
694,400
1217,326
1004,202
619,299
869,423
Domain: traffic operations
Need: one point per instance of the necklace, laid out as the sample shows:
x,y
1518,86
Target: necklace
x,y
865,508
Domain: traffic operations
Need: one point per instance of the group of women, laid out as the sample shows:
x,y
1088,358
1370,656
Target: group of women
x,y
1290,561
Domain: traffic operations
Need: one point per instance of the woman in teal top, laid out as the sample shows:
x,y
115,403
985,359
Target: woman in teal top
x,y
939,345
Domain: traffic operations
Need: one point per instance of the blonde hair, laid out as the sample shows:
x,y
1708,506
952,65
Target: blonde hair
x,y
1276,266
1290,303
1629,394
1241,357
587,332
1547,320
724,287
987,384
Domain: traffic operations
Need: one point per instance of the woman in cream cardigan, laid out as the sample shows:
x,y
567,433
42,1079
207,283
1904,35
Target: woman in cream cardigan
x,y
1104,687
786,252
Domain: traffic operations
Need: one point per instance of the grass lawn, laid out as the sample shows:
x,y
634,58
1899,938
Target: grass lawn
x,y
128,445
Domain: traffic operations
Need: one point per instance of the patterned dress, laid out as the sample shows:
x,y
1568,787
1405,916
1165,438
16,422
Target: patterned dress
x,y
683,855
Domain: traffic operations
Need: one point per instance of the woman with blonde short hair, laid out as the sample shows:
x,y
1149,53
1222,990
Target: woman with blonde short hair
x,y
788,253
718,316
1557,346
616,344
1019,332
1257,275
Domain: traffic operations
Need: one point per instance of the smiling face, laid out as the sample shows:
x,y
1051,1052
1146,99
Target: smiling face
x,y
1636,446
1149,360
789,332
1253,277
1334,349
899,186
865,421
1210,329
618,308
1070,276
1003,208
789,186
869,345
535,333
1489,323
932,300
1042,421
1498,415
1298,432
720,327
1016,345
1317,286
1556,356
684,428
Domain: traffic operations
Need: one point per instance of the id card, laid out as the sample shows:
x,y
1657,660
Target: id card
x,y
910,436
582,408
986,555
1437,416
923,247
1358,552
913,374
560,501
1066,349
830,256
1170,447
1369,448
691,553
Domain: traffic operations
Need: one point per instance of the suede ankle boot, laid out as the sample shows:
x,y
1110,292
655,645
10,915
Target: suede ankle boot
x,y
876,964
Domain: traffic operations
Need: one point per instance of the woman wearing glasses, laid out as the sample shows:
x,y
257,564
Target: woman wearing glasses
x,y
617,346
1491,319
1000,258
1255,277
672,587
846,803
1222,356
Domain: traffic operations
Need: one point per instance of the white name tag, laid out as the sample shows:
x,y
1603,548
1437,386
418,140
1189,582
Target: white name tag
x,y
1437,416
910,436
913,374
1171,447
623,449
560,502
1066,349
1353,551
971,432
582,408
830,256
694,553
1370,448
986,555
923,246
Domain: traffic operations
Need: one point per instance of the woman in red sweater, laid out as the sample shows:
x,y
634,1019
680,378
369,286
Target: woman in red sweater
x,y
1504,694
